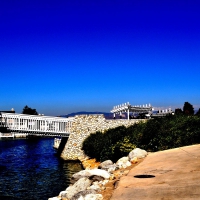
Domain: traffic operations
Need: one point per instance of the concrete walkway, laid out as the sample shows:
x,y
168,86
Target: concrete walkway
x,y
177,176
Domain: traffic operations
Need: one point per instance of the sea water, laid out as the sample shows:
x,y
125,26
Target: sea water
x,y
31,169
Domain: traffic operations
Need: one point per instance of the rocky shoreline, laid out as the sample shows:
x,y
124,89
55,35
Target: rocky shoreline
x,y
98,180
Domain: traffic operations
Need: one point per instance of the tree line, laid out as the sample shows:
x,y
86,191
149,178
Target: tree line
x,y
29,111
188,109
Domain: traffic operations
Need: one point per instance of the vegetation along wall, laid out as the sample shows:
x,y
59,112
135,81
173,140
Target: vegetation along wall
x,y
83,126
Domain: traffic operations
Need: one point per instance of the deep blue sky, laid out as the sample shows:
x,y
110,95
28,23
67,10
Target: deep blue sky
x,y
61,56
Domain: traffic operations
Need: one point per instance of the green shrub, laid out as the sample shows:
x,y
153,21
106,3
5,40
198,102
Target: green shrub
x,y
155,134
93,144
112,144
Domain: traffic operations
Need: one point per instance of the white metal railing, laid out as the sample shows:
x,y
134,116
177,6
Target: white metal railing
x,y
126,107
36,123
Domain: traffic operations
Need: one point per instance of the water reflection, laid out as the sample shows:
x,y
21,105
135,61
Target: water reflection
x,y
30,169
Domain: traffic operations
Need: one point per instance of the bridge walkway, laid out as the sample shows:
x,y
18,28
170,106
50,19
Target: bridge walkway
x,y
36,124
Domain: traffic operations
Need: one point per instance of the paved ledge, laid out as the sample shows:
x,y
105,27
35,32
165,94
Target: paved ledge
x,y
177,176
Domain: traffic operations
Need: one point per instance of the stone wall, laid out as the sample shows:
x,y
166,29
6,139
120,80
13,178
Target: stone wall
x,y
83,126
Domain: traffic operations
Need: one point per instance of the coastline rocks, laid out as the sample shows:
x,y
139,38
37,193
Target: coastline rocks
x,y
96,178
123,162
81,185
134,160
55,198
86,187
137,152
92,172
89,182
95,186
87,195
90,164
108,166
111,168
105,164
93,197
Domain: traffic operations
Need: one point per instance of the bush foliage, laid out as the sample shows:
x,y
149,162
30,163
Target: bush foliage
x,y
154,135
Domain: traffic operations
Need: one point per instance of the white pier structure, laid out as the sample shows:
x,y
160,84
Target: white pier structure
x,y
36,124
127,107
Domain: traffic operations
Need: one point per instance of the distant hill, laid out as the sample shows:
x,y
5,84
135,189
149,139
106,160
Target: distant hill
x,y
107,115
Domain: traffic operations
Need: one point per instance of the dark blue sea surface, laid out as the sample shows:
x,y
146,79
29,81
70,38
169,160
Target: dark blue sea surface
x,y
30,169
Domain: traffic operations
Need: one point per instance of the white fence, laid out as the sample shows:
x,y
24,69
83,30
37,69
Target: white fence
x,y
36,123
